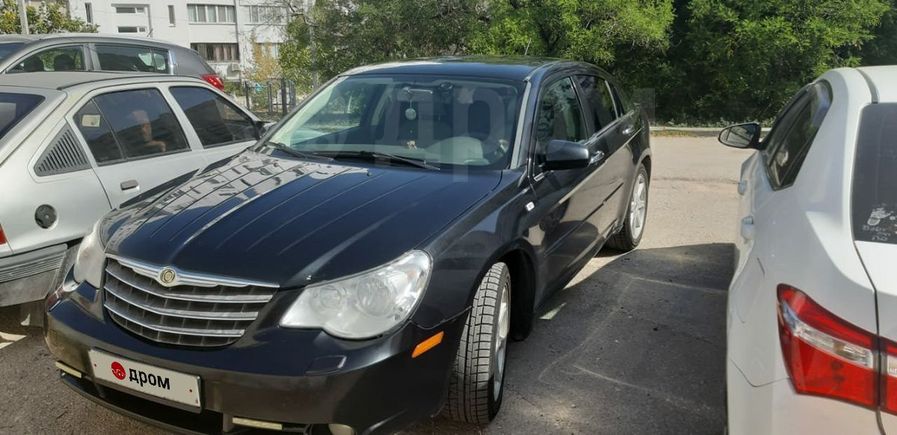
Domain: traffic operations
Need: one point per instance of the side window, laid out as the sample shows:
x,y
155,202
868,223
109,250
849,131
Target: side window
x,y
69,58
215,120
622,104
133,58
98,134
559,115
130,125
792,142
600,101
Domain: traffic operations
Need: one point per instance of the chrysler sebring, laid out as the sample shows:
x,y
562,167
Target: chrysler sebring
x,y
366,263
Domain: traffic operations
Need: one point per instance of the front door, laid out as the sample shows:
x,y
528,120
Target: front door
x,y
563,203
135,140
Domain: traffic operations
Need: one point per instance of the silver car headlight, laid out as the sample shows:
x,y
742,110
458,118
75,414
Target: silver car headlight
x,y
91,258
364,305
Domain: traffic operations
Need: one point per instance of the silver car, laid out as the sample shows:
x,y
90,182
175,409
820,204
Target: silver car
x,y
75,145
93,52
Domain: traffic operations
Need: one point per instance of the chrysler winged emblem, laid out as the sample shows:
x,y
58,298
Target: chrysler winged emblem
x,y
167,276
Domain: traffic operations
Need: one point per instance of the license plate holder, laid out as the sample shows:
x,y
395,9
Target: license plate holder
x,y
147,379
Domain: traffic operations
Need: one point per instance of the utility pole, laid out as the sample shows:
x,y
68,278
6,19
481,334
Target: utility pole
x,y
23,17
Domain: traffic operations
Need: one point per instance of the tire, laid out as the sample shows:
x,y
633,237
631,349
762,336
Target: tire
x,y
476,386
630,235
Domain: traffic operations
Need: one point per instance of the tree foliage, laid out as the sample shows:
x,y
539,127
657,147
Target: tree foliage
x,y
743,59
702,60
49,17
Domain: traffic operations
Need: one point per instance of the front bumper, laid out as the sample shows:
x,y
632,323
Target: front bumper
x,y
302,379
28,276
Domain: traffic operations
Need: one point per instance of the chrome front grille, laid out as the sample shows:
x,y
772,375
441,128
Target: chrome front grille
x,y
188,315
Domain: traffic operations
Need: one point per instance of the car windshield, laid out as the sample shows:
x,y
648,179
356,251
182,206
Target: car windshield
x,y
14,107
875,176
9,48
431,120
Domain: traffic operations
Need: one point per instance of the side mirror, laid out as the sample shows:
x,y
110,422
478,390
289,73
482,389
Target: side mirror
x,y
562,154
744,136
262,127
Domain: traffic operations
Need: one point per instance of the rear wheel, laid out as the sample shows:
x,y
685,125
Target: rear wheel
x,y
636,214
477,383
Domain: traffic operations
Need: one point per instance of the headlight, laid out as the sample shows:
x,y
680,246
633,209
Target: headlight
x,y
91,259
366,304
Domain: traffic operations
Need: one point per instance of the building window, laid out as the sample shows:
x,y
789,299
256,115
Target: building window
x,y
210,14
171,15
132,29
88,12
215,52
268,49
129,9
267,15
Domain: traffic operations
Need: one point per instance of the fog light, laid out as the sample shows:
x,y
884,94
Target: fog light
x,y
258,424
340,429
68,369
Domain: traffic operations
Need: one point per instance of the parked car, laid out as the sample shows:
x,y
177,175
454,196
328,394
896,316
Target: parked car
x,y
93,52
73,146
810,328
366,262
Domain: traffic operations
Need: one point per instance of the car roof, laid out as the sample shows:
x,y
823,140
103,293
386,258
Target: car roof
x,y
882,82
504,67
68,79
85,36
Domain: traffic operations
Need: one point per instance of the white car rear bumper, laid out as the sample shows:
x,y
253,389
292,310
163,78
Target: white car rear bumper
x,y
776,409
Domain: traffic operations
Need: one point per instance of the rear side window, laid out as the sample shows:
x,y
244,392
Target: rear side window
x,y
69,58
130,125
133,58
600,101
215,120
792,140
9,48
874,205
14,108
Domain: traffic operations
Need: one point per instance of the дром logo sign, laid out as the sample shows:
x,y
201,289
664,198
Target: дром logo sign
x,y
118,370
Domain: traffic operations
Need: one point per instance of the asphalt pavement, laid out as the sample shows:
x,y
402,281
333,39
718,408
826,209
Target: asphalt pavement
x,y
634,344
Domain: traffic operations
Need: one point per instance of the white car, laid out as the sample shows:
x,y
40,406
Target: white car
x,y
812,311
74,145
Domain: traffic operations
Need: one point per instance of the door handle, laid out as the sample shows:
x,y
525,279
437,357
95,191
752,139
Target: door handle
x,y
747,228
742,187
129,184
597,157
627,130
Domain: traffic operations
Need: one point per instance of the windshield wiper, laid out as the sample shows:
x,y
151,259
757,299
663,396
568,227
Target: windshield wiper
x,y
376,155
294,152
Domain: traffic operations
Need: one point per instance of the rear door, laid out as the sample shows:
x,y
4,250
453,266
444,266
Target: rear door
x,y
135,140
874,220
220,126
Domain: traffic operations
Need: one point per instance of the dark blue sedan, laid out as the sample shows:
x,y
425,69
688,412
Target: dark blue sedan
x,y
366,263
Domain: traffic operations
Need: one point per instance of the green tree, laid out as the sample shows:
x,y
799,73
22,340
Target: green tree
x,y
742,59
336,35
47,18
339,34
590,30
882,49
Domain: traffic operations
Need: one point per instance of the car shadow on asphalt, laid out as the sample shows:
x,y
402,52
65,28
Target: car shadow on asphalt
x,y
635,345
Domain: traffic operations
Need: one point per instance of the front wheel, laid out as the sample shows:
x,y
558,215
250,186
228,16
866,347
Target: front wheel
x,y
636,214
477,382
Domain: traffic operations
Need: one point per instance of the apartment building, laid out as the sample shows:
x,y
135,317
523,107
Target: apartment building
x,y
224,32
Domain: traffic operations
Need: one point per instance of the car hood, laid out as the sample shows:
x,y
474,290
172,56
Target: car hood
x,y
292,222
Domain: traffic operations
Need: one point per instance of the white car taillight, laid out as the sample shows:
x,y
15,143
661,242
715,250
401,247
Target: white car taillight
x,y
2,237
824,354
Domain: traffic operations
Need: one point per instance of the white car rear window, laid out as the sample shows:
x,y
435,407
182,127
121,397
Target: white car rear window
x,y
875,176
14,107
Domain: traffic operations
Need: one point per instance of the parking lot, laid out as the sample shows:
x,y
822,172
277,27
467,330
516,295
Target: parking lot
x,y
634,344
